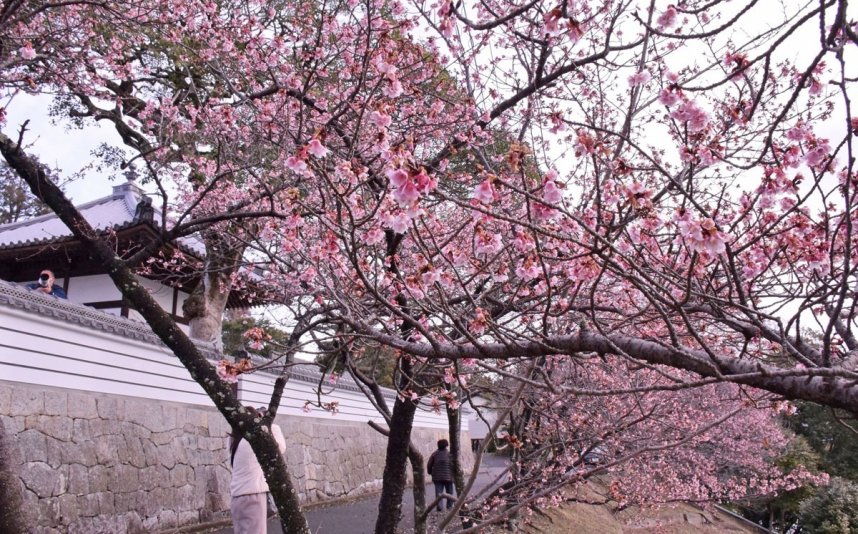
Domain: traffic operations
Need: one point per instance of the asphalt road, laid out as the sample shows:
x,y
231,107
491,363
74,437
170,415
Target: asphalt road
x,y
358,517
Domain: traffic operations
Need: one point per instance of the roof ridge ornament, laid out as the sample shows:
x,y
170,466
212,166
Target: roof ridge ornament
x,y
144,211
130,186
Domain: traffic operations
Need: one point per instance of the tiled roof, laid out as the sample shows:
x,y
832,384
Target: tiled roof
x,y
115,211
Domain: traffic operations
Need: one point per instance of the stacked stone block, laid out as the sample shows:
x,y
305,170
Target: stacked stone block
x,y
94,463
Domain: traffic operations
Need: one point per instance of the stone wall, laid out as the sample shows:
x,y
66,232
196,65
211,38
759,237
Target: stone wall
x,y
331,460
94,463
97,463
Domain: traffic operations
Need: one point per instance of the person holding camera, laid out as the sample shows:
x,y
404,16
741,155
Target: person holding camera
x,y
47,286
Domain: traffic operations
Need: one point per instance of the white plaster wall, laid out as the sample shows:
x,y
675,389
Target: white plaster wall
x,y
40,349
162,294
255,389
116,437
46,351
94,288
100,288
180,301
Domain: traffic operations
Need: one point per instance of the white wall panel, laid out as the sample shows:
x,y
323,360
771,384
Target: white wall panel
x,y
95,288
51,342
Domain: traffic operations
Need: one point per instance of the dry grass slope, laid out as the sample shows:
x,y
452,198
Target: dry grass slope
x,y
579,518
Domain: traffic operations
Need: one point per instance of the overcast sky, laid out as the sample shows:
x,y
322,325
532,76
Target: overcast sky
x,y
57,146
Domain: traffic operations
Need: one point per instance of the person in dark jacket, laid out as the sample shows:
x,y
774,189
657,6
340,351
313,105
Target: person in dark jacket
x,y
47,286
440,466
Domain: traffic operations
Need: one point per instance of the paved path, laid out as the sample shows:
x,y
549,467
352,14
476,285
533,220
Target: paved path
x,y
358,517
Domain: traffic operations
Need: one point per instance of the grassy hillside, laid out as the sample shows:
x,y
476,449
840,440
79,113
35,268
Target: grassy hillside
x,y
578,518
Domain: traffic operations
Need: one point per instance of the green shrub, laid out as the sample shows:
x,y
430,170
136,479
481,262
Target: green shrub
x,y
832,510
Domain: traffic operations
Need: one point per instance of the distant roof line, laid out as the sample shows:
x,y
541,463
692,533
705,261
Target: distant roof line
x,y
116,211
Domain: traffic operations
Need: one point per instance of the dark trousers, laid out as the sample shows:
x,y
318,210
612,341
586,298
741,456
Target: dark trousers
x,y
444,487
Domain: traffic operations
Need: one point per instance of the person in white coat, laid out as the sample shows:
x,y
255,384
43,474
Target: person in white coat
x,y
248,488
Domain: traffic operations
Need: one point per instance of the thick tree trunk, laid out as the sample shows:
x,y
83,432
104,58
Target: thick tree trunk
x,y
204,309
393,481
12,520
419,489
205,306
262,443
280,485
454,422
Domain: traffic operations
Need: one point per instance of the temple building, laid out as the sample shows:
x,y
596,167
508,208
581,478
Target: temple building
x,y
44,242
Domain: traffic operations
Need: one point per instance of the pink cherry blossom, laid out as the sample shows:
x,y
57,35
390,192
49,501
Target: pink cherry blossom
x,y
669,97
667,19
374,236
817,155
480,321
702,235
523,243
639,78
406,194
430,277
638,196
379,119
487,243
393,89
557,124
799,132
484,192
424,182
552,21
446,26
815,86
388,69
529,269
309,274
551,194
229,371
224,371
316,148
693,115
297,165
397,177
415,288
256,337
543,213
576,31
27,52
586,143
399,223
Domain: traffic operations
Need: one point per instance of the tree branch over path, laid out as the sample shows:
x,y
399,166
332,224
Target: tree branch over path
x,y
833,387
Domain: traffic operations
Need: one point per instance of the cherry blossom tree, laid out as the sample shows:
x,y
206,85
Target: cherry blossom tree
x,y
659,196
697,443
